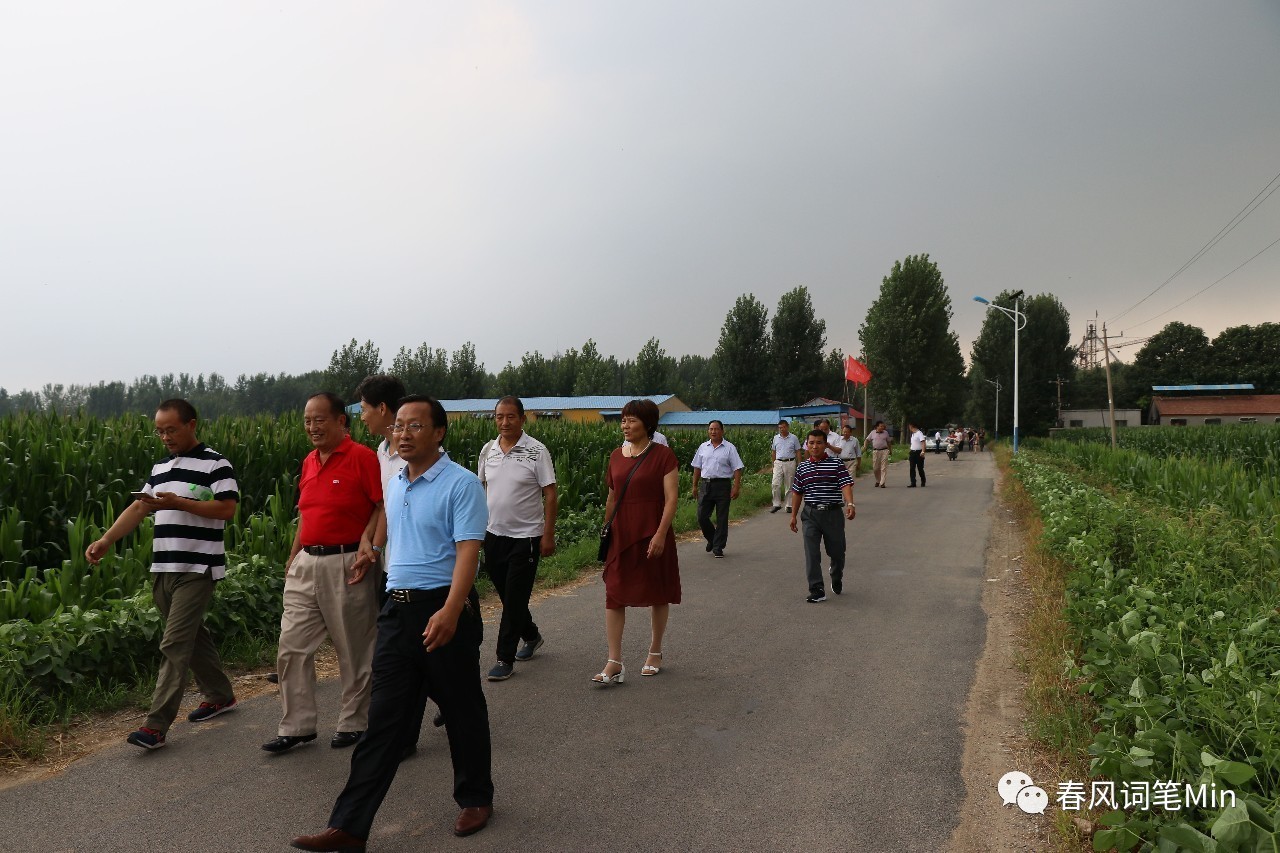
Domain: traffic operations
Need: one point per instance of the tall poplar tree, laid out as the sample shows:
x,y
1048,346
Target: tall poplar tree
x,y
914,357
741,360
796,344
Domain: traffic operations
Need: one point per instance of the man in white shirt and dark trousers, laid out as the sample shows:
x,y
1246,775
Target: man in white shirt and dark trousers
x,y
825,487
915,459
786,447
719,467
520,487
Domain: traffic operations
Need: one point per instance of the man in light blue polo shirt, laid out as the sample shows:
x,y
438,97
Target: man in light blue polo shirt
x,y
429,634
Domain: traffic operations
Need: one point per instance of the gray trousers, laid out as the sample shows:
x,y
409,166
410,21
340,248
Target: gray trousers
x,y
183,598
819,526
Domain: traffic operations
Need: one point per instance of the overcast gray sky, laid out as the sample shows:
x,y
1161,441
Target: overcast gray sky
x,y
242,187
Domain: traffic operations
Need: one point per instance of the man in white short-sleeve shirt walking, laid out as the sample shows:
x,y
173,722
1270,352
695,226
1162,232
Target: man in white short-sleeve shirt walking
x,y
786,447
915,459
719,468
520,486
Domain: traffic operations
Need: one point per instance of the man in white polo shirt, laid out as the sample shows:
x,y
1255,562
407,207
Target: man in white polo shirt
x,y
719,467
786,447
520,486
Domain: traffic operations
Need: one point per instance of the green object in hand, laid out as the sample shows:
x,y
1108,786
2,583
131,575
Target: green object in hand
x,y
201,493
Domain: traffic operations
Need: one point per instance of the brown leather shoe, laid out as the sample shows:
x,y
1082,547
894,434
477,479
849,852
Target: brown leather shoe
x,y
472,820
330,840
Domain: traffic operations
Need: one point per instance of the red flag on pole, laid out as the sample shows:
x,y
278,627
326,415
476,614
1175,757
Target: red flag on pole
x,y
856,371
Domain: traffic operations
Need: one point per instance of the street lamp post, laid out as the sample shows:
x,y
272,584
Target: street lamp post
x,y
1019,323
996,382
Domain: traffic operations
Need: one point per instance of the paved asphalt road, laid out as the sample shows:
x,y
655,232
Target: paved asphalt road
x,y
774,725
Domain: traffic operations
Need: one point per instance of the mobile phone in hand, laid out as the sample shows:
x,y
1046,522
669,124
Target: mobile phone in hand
x,y
137,496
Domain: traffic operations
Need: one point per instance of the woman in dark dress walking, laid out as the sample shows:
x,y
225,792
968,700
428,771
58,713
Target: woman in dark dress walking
x,y
641,569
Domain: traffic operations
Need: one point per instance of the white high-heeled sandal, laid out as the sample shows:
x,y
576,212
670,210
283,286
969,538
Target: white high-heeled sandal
x,y
647,669
604,679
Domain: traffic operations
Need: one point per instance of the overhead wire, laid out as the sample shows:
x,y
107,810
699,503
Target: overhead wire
x,y
1263,194
1203,289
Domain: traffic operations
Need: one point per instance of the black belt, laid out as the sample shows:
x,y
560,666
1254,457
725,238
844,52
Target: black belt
x,y
717,479
824,506
788,459
329,550
412,596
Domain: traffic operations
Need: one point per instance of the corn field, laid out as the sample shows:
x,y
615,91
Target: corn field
x,y
66,478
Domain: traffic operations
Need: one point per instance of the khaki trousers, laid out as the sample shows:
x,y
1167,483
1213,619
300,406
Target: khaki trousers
x,y
783,474
183,599
318,601
880,465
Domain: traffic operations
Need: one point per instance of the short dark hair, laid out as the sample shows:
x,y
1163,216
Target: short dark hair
x,y
784,421
820,421
879,423
848,427
380,389
511,400
438,416
716,421
817,433
185,410
646,411
336,404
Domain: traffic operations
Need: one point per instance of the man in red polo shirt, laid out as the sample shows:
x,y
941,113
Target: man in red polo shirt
x,y
325,589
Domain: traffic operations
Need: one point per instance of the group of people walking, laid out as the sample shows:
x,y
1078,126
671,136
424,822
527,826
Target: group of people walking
x,y
387,551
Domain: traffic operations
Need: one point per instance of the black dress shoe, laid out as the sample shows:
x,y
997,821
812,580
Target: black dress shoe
x,y
284,743
330,841
472,819
775,509
344,739
717,553
437,720
709,547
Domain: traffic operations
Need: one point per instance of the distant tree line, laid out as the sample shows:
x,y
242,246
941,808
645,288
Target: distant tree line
x,y
758,363
761,362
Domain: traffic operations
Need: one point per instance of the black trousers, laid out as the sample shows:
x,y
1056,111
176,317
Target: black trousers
x,y
915,458
714,495
512,564
404,675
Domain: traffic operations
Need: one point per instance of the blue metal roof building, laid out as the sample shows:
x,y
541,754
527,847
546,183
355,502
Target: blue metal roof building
x,y
748,418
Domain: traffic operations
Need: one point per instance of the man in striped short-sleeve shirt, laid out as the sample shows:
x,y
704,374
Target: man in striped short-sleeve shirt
x,y
825,487
192,493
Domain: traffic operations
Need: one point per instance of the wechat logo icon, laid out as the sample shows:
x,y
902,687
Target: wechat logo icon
x,y
1016,788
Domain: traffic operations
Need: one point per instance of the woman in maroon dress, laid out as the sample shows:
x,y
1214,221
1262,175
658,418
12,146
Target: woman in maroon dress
x,y
641,569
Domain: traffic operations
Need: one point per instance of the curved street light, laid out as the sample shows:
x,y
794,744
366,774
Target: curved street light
x,y
1019,323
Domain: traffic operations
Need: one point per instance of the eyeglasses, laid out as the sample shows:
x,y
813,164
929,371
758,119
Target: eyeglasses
x,y
413,428
167,432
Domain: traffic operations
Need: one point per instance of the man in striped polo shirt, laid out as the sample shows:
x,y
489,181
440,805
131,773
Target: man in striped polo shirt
x,y
192,493
822,483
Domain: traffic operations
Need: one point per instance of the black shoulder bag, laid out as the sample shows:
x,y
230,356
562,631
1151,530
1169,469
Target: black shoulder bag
x,y
606,532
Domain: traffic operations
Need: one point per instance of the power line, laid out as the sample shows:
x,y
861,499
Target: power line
x,y
1249,208
1202,290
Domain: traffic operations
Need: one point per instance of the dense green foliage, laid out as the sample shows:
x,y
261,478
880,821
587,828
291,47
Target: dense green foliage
x,y
1172,600
911,351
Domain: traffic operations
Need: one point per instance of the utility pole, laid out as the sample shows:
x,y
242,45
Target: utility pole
x,y
1059,382
1111,400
